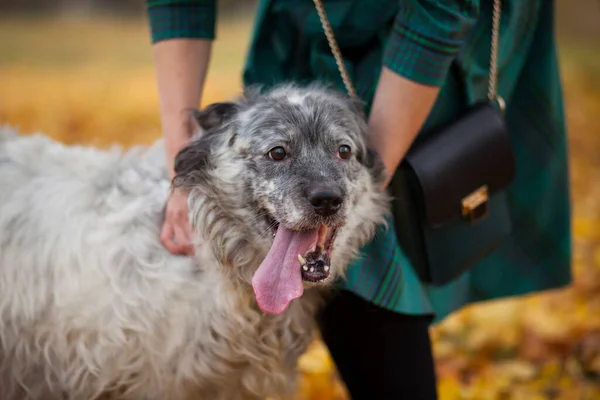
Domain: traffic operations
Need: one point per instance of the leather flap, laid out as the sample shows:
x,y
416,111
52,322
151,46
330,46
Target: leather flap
x,y
459,158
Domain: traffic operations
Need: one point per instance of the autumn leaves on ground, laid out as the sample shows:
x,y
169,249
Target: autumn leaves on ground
x,y
92,82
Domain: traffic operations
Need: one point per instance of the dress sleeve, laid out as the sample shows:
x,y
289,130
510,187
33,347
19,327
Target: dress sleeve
x,y
427,36
170,19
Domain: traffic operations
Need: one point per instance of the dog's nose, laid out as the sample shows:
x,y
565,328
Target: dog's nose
x,y
325,202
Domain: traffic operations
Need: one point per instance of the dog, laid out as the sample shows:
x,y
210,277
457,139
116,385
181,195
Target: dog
x,y
283,192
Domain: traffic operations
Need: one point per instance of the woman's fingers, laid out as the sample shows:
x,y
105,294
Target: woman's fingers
x,y
176,234
183,239
166,238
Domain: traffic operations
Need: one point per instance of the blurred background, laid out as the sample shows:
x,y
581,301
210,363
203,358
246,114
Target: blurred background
x,y
81,71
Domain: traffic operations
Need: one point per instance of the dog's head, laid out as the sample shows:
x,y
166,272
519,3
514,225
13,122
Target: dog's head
x,y
284,187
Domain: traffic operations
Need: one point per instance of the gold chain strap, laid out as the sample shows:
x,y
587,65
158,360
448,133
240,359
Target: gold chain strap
x,y
493,82
335,50
337,54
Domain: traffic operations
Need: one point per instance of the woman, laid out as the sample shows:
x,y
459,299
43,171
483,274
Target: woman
x,y
416,64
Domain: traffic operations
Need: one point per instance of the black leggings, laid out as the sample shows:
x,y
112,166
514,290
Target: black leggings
x,y
380,355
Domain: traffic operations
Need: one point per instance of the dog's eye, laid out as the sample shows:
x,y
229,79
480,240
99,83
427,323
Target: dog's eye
x,y
344,152
277,153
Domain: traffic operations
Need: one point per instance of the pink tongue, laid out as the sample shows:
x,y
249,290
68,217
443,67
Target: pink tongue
x,y
278,280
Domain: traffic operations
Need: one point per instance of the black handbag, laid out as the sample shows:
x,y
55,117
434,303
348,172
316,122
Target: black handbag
x,y
449,193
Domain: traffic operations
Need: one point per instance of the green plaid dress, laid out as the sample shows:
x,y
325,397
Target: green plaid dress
x,y
444,43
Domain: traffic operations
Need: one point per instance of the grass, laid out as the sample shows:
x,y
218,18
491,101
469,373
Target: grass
x,y
92,81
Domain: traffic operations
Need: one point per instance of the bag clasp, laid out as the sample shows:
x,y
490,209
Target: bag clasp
x,y
475,205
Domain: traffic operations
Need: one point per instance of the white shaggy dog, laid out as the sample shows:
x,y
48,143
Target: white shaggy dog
x,y
283,193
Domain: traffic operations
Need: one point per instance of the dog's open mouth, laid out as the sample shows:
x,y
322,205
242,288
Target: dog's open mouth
x,y
315,263
295,257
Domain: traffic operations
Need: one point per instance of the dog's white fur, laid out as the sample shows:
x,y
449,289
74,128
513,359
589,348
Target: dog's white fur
x,y
91,301
93,307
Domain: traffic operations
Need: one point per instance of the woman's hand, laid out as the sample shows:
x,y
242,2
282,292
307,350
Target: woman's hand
x,y
176,233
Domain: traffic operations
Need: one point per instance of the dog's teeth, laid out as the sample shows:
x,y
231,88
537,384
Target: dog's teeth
x,y
326,268
323,230
304,267
301,259
312,269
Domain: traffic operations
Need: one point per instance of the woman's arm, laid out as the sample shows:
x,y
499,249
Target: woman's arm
x,y
182,33
400,107
181,66
425,39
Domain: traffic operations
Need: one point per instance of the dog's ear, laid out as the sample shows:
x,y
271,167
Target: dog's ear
x,y
214,115
191,163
